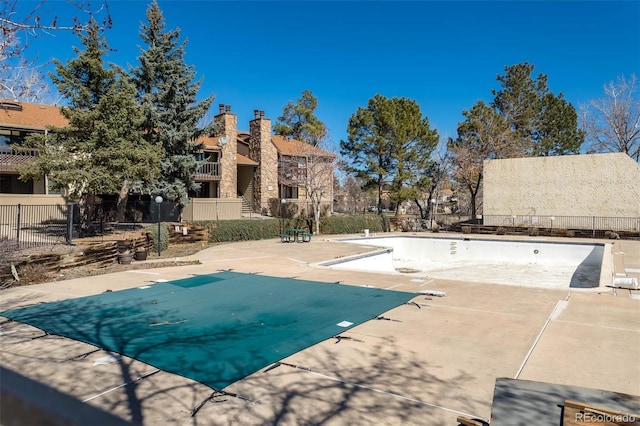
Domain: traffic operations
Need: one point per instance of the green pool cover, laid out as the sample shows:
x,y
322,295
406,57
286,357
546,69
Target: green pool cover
x,y
215,329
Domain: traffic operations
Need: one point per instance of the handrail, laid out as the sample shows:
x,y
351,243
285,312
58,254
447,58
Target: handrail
x,y
209,169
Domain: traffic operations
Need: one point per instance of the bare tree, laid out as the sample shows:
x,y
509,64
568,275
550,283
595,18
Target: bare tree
x,y
20,76
613,123
24,82
319,181
355,194
484,135
309,169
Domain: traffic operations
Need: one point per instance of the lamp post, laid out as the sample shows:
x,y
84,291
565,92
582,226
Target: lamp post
x,y
158,201
551,232
433,211
282,203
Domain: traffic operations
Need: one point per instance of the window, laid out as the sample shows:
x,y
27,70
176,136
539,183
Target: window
x,y
10,184
9,137
290,192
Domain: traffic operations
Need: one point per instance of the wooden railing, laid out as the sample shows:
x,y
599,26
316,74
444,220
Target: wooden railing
x,y
207,171
11,157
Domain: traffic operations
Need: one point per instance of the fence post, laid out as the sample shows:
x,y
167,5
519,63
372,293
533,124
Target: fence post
x,y
593,227
18,226
69,223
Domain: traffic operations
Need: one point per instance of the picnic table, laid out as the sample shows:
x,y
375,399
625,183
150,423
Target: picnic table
x,y
296,235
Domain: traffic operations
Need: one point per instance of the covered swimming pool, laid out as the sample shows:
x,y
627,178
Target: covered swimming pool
x,y
548,264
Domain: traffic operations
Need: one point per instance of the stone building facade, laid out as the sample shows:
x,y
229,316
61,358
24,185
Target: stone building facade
x,y
238,172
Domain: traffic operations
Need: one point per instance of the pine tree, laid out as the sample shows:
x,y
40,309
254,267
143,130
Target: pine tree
x,y
168,96
299,122
389,141
542,123
101,151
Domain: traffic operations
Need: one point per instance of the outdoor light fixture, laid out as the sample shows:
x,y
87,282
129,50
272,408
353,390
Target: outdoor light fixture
x,y
433,211
158,201
282,203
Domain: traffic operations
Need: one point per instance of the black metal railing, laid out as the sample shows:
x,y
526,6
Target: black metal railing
x,y
595,224
25,225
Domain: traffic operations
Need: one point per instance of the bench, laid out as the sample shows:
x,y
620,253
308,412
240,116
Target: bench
x,y
306,237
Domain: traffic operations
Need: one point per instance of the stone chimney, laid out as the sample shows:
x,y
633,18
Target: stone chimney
x,y
263,152
228,141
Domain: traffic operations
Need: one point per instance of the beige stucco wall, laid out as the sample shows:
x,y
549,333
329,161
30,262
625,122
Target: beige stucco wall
x,y
31,199
200,209
606,185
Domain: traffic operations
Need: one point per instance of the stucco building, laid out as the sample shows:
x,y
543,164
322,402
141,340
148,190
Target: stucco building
x,y
539,190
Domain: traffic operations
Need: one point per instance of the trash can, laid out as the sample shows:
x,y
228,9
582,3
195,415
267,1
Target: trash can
x,y
366,232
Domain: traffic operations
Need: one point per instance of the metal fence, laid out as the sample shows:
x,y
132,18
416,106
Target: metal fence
x,y
595,224
24,225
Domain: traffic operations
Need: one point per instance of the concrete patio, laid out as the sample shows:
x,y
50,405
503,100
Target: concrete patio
x,y
426,364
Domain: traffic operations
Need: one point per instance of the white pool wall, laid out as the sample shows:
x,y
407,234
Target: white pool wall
x,y
425,253
437,250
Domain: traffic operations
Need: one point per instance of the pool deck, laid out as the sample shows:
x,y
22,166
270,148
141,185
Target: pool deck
x,y
425,365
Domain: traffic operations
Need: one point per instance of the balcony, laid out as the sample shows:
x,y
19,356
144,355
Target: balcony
x,y
207,172
11,158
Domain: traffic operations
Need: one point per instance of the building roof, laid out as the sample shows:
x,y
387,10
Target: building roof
x,y
28,116
245,161
209,141
293,147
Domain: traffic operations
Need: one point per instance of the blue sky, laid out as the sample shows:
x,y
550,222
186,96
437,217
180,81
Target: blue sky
x,y
443,55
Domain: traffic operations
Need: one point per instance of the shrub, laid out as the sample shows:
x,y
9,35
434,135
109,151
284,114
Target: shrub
x,y
249,230
612,235
246,230
534,232
353,224
33,273
466,229
164,235
500,230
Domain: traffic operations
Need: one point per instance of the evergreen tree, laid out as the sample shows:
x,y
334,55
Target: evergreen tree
x,y
168,96
484,134
298,121
556,130
389,141
542,123
102,150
